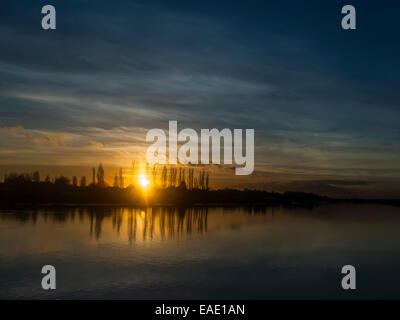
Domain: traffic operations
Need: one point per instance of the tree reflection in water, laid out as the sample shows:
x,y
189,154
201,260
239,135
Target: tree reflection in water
x,y
144,223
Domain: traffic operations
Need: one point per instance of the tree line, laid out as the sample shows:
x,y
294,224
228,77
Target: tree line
x,y
159,176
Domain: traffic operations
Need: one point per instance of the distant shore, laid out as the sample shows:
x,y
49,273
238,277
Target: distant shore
x,y
48,195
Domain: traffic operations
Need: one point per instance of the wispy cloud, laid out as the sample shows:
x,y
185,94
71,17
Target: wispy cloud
x,y
323,103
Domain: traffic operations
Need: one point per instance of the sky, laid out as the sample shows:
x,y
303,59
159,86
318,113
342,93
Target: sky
x,y
324,102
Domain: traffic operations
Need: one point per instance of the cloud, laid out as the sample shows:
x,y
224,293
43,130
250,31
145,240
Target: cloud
x,y
53,139
12,129
96,144
36,136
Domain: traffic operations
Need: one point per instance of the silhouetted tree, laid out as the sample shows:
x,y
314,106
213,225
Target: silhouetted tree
x,y
74,181
201,180
36,177
183,177
133,172
100,174
191,178
61,181
83,181
116,184
18,179
154,174
94,176
172,177
47,179
120,179
164,177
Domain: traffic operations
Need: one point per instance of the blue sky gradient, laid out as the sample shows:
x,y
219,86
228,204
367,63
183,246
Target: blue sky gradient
x,y
324,102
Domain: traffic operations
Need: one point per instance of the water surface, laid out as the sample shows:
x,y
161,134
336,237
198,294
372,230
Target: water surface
x,y
201,253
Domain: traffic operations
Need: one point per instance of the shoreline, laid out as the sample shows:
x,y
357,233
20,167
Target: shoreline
x,y
389,202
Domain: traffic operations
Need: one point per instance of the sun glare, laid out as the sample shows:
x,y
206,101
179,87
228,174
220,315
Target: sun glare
x,y
143,181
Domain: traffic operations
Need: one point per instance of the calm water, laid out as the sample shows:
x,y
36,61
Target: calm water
x,y
167,253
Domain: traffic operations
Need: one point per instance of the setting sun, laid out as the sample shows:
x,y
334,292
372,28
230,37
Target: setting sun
x,y
143,181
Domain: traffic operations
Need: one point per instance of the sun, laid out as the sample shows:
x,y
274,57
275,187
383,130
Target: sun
x,y
143,181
